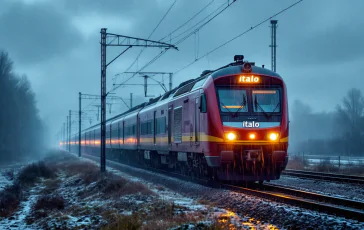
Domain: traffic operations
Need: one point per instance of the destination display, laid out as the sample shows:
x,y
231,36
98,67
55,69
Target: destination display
x,y
249,79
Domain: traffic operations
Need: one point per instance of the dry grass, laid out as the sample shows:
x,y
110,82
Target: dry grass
x,y
10,199
326,166
122,222
9,174
155,215
77,167
110,185
31,173
353,170
148,211
44,207
300,163
11,196
297,162
50,202
206,202
51,185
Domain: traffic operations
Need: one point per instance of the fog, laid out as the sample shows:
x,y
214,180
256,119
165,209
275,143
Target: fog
x,y
56,44
340,132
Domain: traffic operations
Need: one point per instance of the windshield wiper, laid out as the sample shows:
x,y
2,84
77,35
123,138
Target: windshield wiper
x,y
257,104
225,107
274,109
242,105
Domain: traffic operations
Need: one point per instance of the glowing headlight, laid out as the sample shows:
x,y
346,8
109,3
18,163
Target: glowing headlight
x,y
252,136
231,136
273,136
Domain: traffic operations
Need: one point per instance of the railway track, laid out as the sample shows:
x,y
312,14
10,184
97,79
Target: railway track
x,y
331,205
322,203
324,176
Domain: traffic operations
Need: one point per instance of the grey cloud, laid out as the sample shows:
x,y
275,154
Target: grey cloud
x,y
105,6
37,32
341,43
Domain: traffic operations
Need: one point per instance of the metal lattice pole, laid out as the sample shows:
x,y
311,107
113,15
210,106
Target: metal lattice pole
x,y
117,40
79,124
274,44
64,135
103,100
67,140
69,131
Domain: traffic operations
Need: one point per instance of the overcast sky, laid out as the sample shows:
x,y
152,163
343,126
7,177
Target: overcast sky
x,y
56,43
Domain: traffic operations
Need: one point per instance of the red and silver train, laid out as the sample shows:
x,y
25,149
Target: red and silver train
x,y
227,124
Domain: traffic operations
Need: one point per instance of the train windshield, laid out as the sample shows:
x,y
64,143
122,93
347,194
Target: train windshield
x,y
233,100
266,100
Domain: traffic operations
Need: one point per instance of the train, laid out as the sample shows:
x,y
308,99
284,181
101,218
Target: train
x,y
228,124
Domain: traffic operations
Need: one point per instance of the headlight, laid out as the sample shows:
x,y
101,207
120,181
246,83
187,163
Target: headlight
x,y
252,136
231,136
273,136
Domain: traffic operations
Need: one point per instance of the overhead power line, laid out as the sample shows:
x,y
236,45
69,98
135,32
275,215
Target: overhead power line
x,y
163,18
202,20
155,28
180,41
239,35
190,19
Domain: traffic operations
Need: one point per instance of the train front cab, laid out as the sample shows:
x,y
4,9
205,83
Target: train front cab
x,y
252,126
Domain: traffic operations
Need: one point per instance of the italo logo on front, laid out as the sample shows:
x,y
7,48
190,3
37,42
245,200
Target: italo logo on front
x,y
250,124
249,79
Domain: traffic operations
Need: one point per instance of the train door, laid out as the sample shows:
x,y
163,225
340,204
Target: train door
x,y
123,132
170,114
94,138
154,126
118,134
197,120
138,131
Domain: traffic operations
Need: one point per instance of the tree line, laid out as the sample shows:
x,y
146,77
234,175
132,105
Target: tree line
x,y
340,132
21,129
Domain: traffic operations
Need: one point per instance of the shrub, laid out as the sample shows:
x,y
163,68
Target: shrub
x,y
122,222
10,199
44,205
51,185
326,166
49,202
9,174
297,162
29,174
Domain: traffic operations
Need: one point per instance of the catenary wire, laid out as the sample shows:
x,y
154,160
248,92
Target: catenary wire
x,y
239,35
162,52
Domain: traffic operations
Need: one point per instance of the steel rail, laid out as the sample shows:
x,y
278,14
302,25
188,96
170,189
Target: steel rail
x,y
346,212
325,176
315,196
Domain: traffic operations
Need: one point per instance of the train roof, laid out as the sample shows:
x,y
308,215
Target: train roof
x,y
237,69
186,86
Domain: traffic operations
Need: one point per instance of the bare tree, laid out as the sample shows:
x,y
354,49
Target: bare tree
x,y
21,129
350,117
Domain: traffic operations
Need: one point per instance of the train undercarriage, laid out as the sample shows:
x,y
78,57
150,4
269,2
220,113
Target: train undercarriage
x,y
241,166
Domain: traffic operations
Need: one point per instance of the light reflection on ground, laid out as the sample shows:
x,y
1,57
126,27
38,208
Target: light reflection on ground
x,y
230,220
